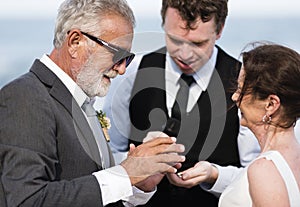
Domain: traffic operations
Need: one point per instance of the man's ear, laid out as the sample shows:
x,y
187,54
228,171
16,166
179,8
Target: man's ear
x,y
272,104
74,38
220,32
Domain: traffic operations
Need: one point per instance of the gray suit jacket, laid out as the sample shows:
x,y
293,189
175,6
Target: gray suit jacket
x,y
47,149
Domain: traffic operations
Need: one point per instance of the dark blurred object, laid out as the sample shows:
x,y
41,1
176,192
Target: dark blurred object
x,y
172,127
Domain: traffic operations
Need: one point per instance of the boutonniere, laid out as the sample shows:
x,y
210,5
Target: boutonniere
x,y
104,122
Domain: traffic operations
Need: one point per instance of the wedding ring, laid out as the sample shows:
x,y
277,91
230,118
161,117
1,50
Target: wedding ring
x,y
179,174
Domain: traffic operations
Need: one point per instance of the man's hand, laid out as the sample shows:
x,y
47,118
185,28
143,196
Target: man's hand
x,y
147,163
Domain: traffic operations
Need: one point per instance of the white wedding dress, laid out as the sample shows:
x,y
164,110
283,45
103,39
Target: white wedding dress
x,y
237,193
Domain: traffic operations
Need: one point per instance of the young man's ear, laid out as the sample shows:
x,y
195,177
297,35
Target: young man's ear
x,y
219,34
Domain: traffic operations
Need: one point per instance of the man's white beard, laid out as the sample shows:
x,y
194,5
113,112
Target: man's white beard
x,y
90,80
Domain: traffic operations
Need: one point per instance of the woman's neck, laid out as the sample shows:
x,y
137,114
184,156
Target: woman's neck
x,y
276,138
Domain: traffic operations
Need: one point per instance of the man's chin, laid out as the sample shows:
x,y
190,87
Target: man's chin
x,y
101,95
102,92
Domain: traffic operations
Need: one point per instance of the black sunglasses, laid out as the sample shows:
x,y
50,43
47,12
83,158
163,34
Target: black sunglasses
x,y
120,54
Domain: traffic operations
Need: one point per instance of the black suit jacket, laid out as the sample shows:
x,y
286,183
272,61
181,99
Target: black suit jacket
x,y
47,149
209,132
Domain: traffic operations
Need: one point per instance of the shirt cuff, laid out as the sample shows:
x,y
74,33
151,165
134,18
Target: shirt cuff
x,y
139,197
225,177
114,184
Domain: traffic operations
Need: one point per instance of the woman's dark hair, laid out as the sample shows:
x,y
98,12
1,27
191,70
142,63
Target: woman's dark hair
x,y
190,10
274,69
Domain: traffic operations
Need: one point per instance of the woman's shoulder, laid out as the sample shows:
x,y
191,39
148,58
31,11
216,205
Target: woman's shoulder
x,y
263,169
266,183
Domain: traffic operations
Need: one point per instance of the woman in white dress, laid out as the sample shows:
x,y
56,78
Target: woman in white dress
x,y
268,96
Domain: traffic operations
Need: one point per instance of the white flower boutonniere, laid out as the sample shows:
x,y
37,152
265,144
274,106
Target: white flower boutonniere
x,y
104,122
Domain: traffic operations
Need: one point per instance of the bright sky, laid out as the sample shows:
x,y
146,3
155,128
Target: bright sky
x,y
47,8
11,55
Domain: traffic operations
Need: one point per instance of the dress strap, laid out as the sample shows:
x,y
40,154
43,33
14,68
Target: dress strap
x,y
287,175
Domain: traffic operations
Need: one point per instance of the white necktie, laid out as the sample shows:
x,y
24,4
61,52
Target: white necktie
x,y
98,133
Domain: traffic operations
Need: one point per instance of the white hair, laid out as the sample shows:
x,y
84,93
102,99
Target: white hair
x,y
84,15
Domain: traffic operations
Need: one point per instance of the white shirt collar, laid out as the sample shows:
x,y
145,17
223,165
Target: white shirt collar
x,y
201,76
74,89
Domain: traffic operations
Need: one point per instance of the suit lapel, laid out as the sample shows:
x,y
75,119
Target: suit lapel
x,y
62,95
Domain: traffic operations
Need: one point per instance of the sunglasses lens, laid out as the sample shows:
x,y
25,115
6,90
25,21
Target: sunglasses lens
x,y
120,62
128,60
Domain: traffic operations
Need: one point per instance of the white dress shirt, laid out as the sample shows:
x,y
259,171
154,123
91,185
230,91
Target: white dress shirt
x,y
114,182
202,78
116,103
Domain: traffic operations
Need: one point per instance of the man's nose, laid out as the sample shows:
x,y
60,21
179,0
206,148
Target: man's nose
x,y
120,67
186,51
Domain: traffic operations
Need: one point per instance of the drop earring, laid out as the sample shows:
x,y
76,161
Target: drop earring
x,y
266,119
